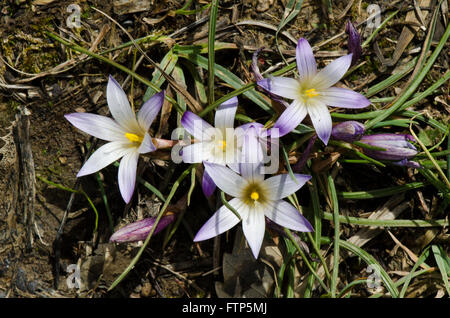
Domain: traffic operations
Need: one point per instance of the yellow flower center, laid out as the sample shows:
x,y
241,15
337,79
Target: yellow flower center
x,y
254,196
255,193
311,92
134,138
222,144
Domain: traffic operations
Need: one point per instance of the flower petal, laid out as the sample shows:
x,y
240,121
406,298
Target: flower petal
x,y
226,179
119,106
127,175
348,131
150,110
146,144
397,146
285,214
281,86
98,126
332,73
343,97
138,231
225,114
354,42
195,153
282,185
321,119
252,151
196,126
208,185
291,118
306,63
104,156
254,226
221,221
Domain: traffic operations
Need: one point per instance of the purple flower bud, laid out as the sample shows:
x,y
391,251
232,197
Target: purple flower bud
x,y
254,66
139,230
354,42
397,146
348,131
408,163
258,77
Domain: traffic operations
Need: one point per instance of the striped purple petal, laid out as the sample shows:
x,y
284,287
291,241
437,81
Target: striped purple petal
x,y
397,146
138,231
348,131
354,42
306,63
291,118
127,175
208,185
150,110
196,126
342,97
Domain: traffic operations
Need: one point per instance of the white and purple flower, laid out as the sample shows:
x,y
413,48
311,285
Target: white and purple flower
x,y
312,92
138,231
397,148
348,131
254,199
221,144
127,135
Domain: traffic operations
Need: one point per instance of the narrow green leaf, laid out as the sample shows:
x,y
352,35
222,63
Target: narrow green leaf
x,y
442,261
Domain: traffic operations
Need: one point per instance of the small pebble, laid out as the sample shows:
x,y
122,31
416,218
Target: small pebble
x,y
146,290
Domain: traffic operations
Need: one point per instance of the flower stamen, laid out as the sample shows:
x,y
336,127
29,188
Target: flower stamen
x,y
254,196
311,92
134,138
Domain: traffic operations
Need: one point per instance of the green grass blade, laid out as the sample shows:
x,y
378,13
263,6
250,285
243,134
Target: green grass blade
x,y
167,64
408,278
387,223
211,52
370,260
147,240
335,202
443,263
414,84
232,80
379,193
105,202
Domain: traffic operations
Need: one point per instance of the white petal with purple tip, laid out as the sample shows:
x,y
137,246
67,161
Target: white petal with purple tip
x,y
150,110
196,126
208,185
321,119
226,179
286,215
221,221
254,226
127,175
225,114
104,156
119,106
283,185
332,73
291,118
98,126
281,86
342,97
306,63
